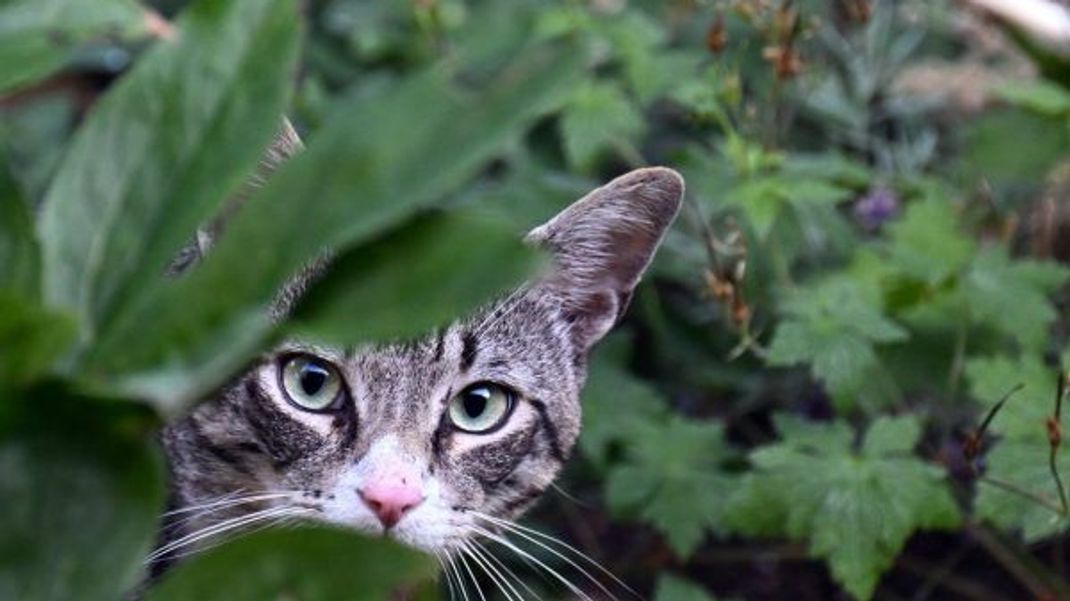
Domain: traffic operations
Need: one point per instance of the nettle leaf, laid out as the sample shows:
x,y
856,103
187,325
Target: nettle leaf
x,y
599,118
617,406
833,326
1012,296
161,151
461,259
38,36
82,485
672,479
927,243
310,563
763,198
1020,454
372,168
857,509
674,588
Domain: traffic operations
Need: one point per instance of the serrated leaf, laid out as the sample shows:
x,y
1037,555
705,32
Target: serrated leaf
x,y
599,118
616,404
1020,452
890,435
83,487
452,262
1012,296
313,563
927,242
160,152
672,480
371,169
856,510
832,326
38,36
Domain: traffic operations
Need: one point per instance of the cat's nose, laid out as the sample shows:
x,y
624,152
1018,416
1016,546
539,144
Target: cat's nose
x,y
391,499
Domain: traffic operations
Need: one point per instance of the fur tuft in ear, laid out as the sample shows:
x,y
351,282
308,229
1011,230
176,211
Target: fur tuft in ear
x,y
603,242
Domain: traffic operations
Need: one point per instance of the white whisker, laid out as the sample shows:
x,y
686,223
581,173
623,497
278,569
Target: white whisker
x,y
490,555
515,549
464,562
524,532
220,528
492,571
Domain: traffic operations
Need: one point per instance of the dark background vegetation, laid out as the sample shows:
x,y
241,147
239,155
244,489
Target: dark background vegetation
x,y
872,255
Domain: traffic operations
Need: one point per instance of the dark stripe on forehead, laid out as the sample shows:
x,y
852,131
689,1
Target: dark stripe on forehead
x,y
469,350
550,430
440,345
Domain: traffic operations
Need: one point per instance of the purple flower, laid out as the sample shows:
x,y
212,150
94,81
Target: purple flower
x,y
876,207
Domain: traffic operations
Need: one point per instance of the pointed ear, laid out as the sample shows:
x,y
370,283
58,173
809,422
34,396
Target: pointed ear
x,y
601,245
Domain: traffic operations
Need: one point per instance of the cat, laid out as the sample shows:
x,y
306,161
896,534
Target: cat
x,y
431,441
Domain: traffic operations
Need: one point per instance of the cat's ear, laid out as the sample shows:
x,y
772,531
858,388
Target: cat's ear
x,y
601,245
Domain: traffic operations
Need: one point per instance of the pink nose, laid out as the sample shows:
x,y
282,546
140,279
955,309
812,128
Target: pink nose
x,y
390,499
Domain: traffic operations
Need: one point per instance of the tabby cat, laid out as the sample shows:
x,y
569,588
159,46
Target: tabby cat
x,y
432,441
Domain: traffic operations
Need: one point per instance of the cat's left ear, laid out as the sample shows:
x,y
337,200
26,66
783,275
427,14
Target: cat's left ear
x,y
601,245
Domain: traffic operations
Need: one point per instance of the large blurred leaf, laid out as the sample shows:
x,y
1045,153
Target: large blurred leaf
x,y
161,151
599,118
374,165
309,564
424,274
81,488
38,36
18,246
31,339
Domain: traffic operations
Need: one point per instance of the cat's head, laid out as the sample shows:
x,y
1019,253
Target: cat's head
x,y
432,440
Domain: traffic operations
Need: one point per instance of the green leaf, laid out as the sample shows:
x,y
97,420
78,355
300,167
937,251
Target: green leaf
x,y
1013,146
83,487
31,340
616,404
833,326
425,274
889,435
372,167
927,243
18,245
1012,296
1020,454
856,510
762,198
158,155
38,36
673,588
672,480
310,563
1040,96
599,118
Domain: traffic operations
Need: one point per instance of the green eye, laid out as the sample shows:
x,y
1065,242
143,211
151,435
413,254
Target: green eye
x,y
310,383
481,407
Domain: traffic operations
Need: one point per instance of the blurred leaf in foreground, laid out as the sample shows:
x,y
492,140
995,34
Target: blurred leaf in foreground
x,y
38,36
82,488
31,339
426,273
370,170
306,564
161,151
19,261
673,588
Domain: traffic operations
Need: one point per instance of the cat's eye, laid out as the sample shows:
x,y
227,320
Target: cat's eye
x,y
310,383
481,408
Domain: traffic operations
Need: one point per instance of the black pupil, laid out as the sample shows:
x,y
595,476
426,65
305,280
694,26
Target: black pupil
x,y
313,377
475,402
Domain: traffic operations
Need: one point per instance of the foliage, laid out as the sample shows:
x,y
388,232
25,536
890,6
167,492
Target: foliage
x,y
862,273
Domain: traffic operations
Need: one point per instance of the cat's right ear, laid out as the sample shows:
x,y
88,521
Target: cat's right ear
x,y
601,245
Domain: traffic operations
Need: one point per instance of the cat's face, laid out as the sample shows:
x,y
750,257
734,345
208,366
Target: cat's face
x,y
432,440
